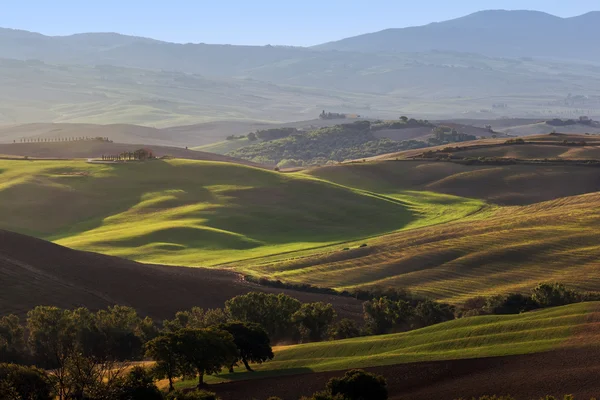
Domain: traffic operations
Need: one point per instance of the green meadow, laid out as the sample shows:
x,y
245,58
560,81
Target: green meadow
x,y
202,213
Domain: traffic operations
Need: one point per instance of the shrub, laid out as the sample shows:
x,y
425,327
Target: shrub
x,y
554,294
139,385
18,382
191,395
359,385
344,329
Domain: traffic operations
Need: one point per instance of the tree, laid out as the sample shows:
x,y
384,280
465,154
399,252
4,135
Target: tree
x,y
12,341
163,350
359,385
252,342
52,342
205,351
314,320
553,294
19,382
382,315
344,329
138,385
430,312
252,136
272,312
404,119
193,395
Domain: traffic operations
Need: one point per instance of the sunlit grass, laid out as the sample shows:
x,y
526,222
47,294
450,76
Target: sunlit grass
x,y
476,337
202,213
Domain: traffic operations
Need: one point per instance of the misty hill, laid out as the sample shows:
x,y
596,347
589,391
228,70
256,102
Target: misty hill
x,y
429,72
494,33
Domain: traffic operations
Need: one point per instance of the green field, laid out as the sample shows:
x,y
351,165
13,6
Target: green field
x,y
223,147
201,213
311,227
476,337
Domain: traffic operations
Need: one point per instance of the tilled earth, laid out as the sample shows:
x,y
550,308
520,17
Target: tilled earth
x,y
35,272
569,371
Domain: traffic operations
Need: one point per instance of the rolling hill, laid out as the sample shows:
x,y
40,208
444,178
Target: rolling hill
x,y
531,34
193,213
34,272
110,78
95,149
461,358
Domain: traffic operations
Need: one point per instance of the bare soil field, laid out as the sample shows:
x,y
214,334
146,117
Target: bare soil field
x,y
573,371
35,272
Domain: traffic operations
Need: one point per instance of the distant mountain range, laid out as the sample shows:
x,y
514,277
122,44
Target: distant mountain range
x,y
493,33
485,65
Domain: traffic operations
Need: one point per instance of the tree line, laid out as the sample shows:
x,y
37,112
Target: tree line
x,y
137,155
81,354
63,139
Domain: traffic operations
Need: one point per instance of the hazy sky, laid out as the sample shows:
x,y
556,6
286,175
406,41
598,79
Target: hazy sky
x,y
289,22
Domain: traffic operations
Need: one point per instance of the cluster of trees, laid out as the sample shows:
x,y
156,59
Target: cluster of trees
x,y
543,295
330,115
444,135
138,155
288,148
63,139
333,144
354,385
234,137
384,315
273,134
85,355
561,122
403,123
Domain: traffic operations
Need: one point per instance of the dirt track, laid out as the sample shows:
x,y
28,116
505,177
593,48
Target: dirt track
x,y
35,272
574,371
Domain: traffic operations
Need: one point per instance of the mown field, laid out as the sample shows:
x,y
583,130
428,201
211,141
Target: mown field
x,y
443,230
200,213
476,337
511,251
223,147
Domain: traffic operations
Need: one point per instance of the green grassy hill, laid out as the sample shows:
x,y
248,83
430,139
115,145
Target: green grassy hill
x,y
223,147
510,251
487,336
198,213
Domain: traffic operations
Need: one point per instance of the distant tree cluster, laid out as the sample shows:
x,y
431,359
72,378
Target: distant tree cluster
x,y
275,133
445,135
234,137
330,115
333,144
64,139
338,143
542,296
403,123
137,155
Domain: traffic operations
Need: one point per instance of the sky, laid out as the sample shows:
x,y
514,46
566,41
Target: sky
x,y
256,22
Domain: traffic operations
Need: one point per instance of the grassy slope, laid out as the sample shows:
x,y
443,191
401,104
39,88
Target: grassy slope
x,y
513,250
497,251
487,336
223,147
193,213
